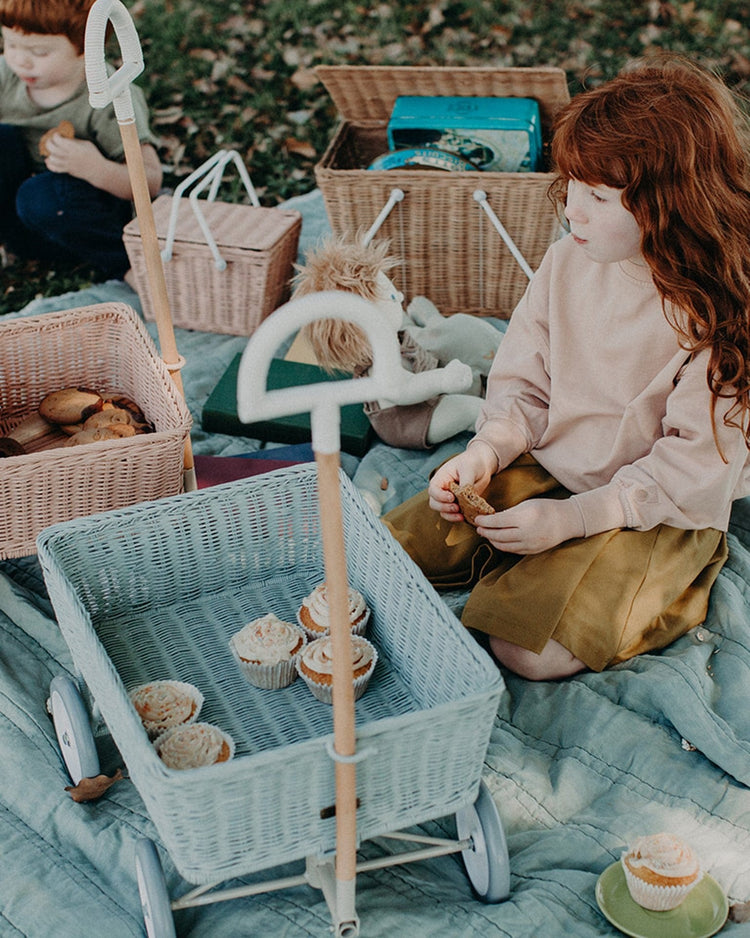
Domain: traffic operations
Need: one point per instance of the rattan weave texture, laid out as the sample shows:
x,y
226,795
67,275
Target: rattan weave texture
x,y
259,246
107,348
450,251
155,591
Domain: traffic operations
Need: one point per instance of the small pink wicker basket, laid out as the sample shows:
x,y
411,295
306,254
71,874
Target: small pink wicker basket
x,y
449,250
259,246
105,348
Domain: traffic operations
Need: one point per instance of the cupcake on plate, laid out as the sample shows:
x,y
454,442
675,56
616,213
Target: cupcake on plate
x,y
164,704
315,666
194,745
660,870
266,650
314,614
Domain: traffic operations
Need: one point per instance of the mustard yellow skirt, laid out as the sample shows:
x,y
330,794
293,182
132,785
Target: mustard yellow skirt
x,y
605,598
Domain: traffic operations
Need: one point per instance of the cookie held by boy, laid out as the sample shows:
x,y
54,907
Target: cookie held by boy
x,y
64,128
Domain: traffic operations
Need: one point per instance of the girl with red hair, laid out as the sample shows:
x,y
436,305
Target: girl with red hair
x,y
614,436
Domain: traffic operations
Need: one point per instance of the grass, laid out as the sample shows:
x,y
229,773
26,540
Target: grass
x,y
240,74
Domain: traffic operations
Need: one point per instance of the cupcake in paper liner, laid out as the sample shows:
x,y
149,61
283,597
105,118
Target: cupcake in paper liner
x,y
314,614
266,650
315,666
660,871
193,746
164,704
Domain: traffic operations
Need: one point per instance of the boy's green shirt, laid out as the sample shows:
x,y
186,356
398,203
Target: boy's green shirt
x,y
99,125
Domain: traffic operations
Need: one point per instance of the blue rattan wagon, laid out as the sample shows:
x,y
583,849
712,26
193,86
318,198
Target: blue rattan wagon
x,y
156,590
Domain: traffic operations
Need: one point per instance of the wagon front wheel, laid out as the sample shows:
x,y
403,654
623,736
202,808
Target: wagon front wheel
x,y
486,859
152,888
72,728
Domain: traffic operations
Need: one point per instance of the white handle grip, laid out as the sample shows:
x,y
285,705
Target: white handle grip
x,y
104,88
388,378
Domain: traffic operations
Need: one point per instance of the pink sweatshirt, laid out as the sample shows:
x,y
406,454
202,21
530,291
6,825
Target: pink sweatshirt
x,y
590,378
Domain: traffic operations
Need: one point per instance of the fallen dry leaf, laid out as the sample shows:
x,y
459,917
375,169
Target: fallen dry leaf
x,y
89,789
300,147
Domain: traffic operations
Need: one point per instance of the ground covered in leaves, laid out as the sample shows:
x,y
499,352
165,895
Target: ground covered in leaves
x,y
241,74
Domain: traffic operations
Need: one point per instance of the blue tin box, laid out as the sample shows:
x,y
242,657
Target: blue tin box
x,y
493,134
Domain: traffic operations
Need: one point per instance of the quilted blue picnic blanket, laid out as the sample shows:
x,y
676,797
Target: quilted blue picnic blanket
x,y
577,768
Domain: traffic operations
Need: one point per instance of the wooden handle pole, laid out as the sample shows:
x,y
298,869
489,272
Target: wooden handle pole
x,y
155,271
344,739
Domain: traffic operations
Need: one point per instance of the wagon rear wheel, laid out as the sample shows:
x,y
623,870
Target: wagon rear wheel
x,y
486,859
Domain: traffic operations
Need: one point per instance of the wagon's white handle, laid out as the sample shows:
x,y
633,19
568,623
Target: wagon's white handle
x,y
104,88
387,379
116,88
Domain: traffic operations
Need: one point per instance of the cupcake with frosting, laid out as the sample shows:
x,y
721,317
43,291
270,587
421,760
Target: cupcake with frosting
x,y
314,614
315,666
164,704
660,870
266,650
194,745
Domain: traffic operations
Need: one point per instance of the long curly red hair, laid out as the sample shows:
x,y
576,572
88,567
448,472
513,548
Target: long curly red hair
x,y
672,136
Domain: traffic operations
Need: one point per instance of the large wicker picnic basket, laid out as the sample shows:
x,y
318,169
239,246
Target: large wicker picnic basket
x,y
106,348
450,251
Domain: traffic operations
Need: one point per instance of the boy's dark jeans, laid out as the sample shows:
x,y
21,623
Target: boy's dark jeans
x,y
54,216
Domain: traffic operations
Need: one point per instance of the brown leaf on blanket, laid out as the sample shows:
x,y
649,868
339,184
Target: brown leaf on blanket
x,y
89,789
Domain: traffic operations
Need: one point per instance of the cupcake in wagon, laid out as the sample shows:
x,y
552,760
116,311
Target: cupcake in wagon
x,y
163,704
266,650
315,666
314,614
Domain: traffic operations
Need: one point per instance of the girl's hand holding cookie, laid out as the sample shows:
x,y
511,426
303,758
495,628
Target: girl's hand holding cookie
x,y
475,467
533,526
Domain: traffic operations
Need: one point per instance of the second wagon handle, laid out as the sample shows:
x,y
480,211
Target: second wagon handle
x,y
388,379
115,88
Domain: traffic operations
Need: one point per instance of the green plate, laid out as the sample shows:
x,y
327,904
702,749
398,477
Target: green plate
x,y
701,914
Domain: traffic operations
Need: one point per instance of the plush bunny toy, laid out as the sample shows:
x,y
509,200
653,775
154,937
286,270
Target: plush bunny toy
x,y
427,341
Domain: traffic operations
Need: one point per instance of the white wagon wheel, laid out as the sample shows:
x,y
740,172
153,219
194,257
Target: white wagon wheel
x,y
486,860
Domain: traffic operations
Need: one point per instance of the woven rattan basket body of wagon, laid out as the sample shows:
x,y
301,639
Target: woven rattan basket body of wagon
x,y
259,246
156,592
107,348
450,250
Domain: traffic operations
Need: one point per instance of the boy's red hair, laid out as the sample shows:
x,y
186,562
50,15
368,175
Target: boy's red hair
x,y
671,136
48,17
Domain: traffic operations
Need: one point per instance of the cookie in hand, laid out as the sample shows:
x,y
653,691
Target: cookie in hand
x,y
64,128
471,504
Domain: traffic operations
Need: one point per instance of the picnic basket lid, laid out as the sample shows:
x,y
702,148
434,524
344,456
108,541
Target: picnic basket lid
x,y
364,93
233,225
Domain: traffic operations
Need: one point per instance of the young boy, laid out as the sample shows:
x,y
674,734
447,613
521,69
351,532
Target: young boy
x,y
72,202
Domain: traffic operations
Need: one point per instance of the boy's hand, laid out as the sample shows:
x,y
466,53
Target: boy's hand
x,y
79,158
84,160
533,526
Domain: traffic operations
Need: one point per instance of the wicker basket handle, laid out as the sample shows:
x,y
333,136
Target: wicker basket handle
x,y
104,88
480,197
211,172
388,378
